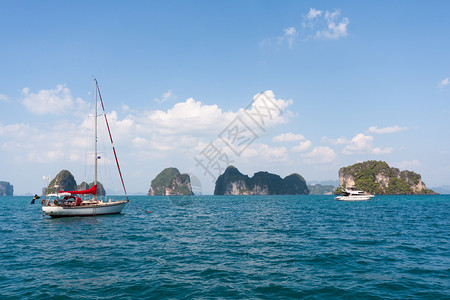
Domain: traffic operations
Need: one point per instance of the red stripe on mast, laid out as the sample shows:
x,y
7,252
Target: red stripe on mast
x,y
112,143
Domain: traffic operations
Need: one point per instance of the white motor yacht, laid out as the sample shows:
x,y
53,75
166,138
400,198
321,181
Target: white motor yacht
x,y
353,194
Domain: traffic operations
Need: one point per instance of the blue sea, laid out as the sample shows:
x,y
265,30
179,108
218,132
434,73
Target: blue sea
x,y
230,247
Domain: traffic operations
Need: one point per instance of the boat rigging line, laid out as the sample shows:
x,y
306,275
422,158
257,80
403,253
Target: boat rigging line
x,y
110,137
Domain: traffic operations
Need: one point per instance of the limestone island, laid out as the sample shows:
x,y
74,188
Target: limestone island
x,y
233,182
6,189
170,182
319,189
65,181
378,178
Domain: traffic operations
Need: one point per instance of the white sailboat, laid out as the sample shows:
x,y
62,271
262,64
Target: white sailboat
x,y
68,204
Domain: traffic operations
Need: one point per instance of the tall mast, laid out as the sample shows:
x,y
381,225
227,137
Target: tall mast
x,y
95,122
110,137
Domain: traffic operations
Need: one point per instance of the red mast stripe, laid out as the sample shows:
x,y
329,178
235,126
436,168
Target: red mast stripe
x,y
112,143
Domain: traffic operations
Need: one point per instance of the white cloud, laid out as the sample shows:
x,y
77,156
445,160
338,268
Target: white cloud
x,y
303,146
46,157
313,13
267,110
126,126
156,136
266,43
53,101
316,24
381,150
320,155
140,142
359,144
192,115
256,152
187,123
288,137
273,154
393,129
125,108
30,144
164,97
408,164
338,141
4,98
362,144
17,131
335,28
184,117
312,18
444,82
289,35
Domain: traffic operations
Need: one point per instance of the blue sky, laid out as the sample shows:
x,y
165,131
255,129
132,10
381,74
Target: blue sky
x,y
351,80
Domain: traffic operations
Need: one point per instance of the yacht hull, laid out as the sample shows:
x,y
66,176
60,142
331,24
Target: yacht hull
x,y
108,208
354,198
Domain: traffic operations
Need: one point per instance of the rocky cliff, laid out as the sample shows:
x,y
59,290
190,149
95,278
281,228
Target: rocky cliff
x,y
6,189
233,182
100,189
377,177
171,182
64,181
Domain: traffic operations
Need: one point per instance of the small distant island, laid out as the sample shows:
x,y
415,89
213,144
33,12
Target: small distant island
x,y
445,189
6,189
65,181
233,182
378,178
319,189
171,182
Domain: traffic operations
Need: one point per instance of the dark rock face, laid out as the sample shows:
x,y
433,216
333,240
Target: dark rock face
x,y
171,182
84,186
295,184
6,189
64,181
233,182
377,177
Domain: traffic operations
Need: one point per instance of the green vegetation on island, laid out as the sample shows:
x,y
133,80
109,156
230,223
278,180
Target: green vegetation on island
x,y
65,181
170,182
377,177
233,182
318,189
6,189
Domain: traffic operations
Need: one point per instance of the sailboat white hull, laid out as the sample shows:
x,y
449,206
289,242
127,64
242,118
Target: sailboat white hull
x,y
107,208
65,204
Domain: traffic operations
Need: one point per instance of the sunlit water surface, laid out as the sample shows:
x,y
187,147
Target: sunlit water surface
x,y
235,247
